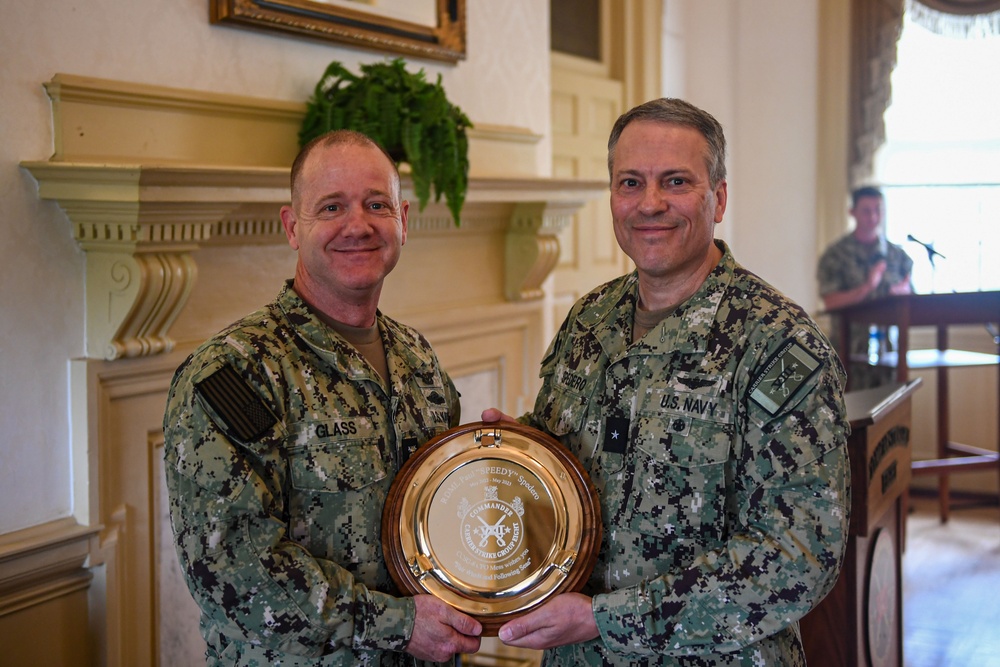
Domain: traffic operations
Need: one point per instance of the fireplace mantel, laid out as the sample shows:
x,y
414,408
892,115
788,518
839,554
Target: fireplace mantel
x,y
139,224
148,175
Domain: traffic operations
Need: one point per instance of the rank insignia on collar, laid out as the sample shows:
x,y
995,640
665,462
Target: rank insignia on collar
x,y
788,369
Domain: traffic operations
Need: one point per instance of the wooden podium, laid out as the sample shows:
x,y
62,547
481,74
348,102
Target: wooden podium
x,y
940,311
859,624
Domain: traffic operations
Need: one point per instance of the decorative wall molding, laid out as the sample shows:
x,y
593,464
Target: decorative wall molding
x,y
147,175
532,247
139,224
120,122
43,562
45,583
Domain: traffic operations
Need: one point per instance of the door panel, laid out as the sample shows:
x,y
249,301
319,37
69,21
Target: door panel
x,y
586,101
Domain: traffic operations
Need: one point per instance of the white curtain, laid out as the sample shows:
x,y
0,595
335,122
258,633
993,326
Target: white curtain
x,y
875,28
957,18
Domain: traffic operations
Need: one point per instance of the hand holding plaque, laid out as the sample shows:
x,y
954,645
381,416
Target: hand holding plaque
x,y
492,518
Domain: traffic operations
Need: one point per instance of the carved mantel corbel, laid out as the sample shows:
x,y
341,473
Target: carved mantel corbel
x,y
139,224
532,246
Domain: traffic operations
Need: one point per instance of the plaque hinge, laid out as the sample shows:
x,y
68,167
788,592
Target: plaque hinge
x,y
420,566
493,438
564,560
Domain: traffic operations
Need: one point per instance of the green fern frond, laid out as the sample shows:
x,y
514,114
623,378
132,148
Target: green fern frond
x,y
407,115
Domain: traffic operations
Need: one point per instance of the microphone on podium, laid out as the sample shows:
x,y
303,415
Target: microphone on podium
x,y
929,247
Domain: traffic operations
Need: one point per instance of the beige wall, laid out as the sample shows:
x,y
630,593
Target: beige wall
x,y
754,66
170,44
42,315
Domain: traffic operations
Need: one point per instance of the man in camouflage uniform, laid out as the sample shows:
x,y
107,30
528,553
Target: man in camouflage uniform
x,y
862,266
708,410
284,432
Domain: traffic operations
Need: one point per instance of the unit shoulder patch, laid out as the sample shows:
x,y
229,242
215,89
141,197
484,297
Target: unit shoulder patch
x,y
784,372
244,415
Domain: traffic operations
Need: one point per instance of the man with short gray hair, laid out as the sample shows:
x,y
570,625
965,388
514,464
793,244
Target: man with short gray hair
x,y
708,410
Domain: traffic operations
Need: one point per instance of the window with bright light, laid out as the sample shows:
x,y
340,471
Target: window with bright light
x,y
940,165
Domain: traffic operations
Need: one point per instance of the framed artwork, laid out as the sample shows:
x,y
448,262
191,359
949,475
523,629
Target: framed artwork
x,y
432,29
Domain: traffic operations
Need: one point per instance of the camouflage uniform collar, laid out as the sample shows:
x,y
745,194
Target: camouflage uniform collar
x,y
340,354
862,248
403,353
687,329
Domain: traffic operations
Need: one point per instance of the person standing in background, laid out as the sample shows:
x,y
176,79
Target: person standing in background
x,y
862,266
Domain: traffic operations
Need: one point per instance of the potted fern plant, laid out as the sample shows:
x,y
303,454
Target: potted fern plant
x,y
411,117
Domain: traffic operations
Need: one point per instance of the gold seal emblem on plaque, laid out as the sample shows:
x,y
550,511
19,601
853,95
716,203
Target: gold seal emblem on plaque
x,y
492,518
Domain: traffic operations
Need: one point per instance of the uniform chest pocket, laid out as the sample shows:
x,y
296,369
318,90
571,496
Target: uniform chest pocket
x,y
565,412
336,467
334,455
338,489
680,473
427,410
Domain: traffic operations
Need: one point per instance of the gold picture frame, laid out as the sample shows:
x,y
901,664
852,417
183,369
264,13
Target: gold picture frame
x,y
445,40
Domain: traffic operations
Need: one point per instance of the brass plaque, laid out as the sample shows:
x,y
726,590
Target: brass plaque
x,y
493,518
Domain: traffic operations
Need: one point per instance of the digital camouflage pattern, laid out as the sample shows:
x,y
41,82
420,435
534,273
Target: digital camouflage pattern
x,y
717,443
844,266
281,443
